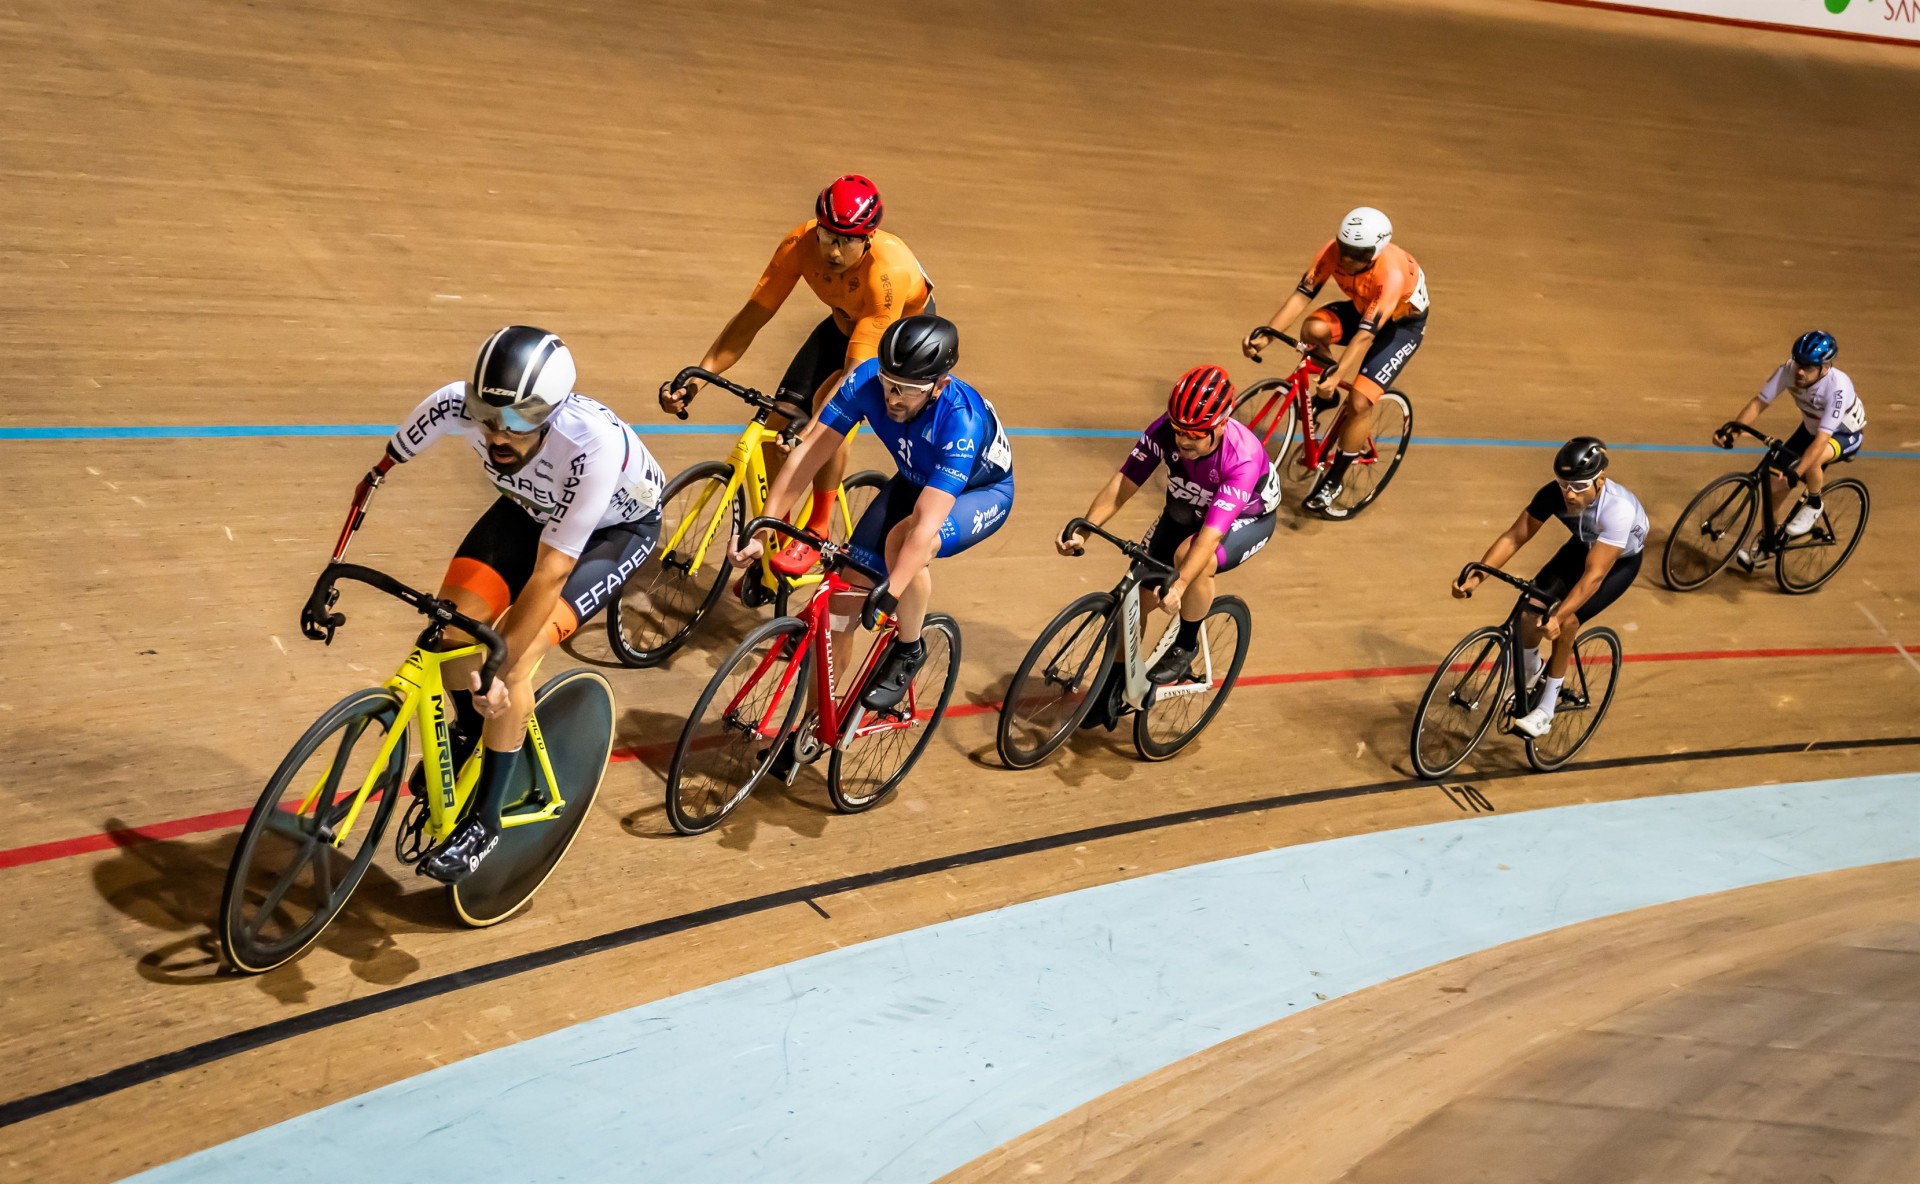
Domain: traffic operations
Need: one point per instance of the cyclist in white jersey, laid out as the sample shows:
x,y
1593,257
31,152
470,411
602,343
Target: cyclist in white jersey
x,y
1588,572
1833,423
578,512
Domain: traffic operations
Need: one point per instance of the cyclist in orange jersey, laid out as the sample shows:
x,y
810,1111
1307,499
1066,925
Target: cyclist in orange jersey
x,y
1381,324
867,278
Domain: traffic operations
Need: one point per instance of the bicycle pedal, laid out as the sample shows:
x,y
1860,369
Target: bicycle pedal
x,y
410,840
755,594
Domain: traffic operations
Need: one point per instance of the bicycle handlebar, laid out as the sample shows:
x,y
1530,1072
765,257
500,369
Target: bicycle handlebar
x,y
1319,355
832,554
1128,547
1528,588
318,620
1733,425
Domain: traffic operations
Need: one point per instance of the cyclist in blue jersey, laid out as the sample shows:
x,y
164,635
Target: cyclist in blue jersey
x,y
954,487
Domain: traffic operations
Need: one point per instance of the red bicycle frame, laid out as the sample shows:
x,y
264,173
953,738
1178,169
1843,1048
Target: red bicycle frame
x,y
1297,397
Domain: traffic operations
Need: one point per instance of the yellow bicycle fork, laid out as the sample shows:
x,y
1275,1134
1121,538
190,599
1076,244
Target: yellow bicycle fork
x,y
747,460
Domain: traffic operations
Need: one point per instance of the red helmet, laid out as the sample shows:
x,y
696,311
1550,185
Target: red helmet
x,y
1202,399
850,206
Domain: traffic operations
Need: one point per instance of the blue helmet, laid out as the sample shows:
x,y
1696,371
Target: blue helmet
x,y
1815,349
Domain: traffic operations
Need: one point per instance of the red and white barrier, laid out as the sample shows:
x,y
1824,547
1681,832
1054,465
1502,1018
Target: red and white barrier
x,y
1876,20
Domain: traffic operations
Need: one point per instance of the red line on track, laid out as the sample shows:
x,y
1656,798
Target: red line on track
x,y
1736,22
153,832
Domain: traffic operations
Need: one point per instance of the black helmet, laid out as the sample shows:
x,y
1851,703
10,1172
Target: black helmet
x,y
920,348
1580,459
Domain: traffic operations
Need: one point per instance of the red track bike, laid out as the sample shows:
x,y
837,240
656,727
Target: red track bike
x,y
1279,409
758,697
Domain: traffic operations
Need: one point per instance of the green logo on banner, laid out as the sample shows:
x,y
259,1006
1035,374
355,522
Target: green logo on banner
x,y
1837,6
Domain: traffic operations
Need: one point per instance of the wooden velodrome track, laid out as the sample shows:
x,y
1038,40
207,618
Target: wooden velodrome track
x,y
225,213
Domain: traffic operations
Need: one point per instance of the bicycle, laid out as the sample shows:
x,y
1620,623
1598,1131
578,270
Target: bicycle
x,y
1718,520
1484,678
314,832
693,507
1286,407
756,697
1042,709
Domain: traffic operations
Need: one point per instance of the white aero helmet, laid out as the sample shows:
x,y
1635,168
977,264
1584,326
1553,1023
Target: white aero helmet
x,y
1364,231
520,375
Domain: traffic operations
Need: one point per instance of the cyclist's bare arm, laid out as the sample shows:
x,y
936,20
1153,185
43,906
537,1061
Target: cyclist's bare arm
x,y
1290,311
1114,494
1349,361
930,509
817,446
522,629
1748,415
1204,548
1600,557
726,350
1503,549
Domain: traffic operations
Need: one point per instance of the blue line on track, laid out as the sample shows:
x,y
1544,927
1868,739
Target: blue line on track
x,y
337,430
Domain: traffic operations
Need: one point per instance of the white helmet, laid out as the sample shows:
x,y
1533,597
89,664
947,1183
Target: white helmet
x,y
520,376
1365,231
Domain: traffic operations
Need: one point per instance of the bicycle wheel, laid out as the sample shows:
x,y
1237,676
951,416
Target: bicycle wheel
x,y
876,759
1584,698
575,712
292,872
857,493
1052,690
1709,532
1461,700
1367,477
660,607
1178,712
1812,559
1276,424
735,728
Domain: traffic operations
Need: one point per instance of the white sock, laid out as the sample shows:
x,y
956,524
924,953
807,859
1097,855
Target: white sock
x,y
1550,694
1532,661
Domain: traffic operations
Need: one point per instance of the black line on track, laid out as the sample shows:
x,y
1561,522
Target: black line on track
x,y
335,1014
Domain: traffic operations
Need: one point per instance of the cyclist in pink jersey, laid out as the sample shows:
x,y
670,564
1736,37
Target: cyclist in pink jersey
x,y
1223,498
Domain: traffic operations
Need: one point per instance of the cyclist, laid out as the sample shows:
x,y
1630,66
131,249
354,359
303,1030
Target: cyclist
x,y
578,512
1223,499
954,487
1381,324
1833,423
867,278
1587,573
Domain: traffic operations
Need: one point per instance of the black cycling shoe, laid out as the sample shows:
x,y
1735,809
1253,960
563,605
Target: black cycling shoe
x,y
1176,665
455,859
889,683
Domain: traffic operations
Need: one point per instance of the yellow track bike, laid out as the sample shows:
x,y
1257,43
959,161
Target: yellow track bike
x,y
317,826
703,510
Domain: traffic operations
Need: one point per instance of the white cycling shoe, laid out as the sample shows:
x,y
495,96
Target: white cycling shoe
x,y
1802,521
1535,723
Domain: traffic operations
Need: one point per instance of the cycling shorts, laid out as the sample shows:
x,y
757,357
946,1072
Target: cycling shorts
x,y
1393,345
1241,542
976,514
1841,445
1569,563
821,356
496,560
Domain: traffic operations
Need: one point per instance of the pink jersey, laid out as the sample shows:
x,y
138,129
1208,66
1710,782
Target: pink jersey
x,y
1234,482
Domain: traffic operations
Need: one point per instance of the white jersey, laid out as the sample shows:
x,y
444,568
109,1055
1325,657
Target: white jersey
x,y
1615,517
591,469
1829,406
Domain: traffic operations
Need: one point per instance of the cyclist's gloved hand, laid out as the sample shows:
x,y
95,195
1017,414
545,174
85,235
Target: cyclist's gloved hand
x,y
880,603
1723,436
676,398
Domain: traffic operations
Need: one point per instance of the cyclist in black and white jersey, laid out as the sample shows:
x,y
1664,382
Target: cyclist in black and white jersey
x,y
578,512
1587,573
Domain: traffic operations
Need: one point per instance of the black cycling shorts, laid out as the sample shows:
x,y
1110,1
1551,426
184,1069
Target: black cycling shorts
x,y
1393,345
1241,542
496,560
1569,563
822,355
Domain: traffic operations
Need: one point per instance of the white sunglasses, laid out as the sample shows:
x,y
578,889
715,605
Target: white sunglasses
x,y
918,388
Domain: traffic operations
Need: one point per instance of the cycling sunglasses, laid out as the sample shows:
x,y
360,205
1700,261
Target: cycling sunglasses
x,y
1191,433
1575,486
526,417
901,384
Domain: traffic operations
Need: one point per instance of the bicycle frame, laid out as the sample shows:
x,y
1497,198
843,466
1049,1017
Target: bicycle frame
x,y
1297,397
1139,692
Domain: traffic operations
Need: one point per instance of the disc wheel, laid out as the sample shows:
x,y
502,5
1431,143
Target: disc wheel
x,y
735,729
575,713
1177,713
1368,476
1592,674
873,763
661,606
1461,701
1275,424
292,871
1709,532
1812,559
1052,690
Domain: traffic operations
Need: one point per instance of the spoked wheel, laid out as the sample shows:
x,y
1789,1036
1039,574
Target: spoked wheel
x,y
873,763
1367,477
1274,425
858,492
731,737
1709,532
1812,559
1178,712
661,606
1584,698
305,847
1462,699
1296,476
575,713
1052,691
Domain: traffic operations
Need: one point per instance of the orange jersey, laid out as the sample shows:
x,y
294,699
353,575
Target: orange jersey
x,y
1393,289
884,286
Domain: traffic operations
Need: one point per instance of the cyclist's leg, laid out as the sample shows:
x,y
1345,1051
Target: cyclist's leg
x,y
1556,579
1164,540
819,358
826,482
1393,347
492,563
